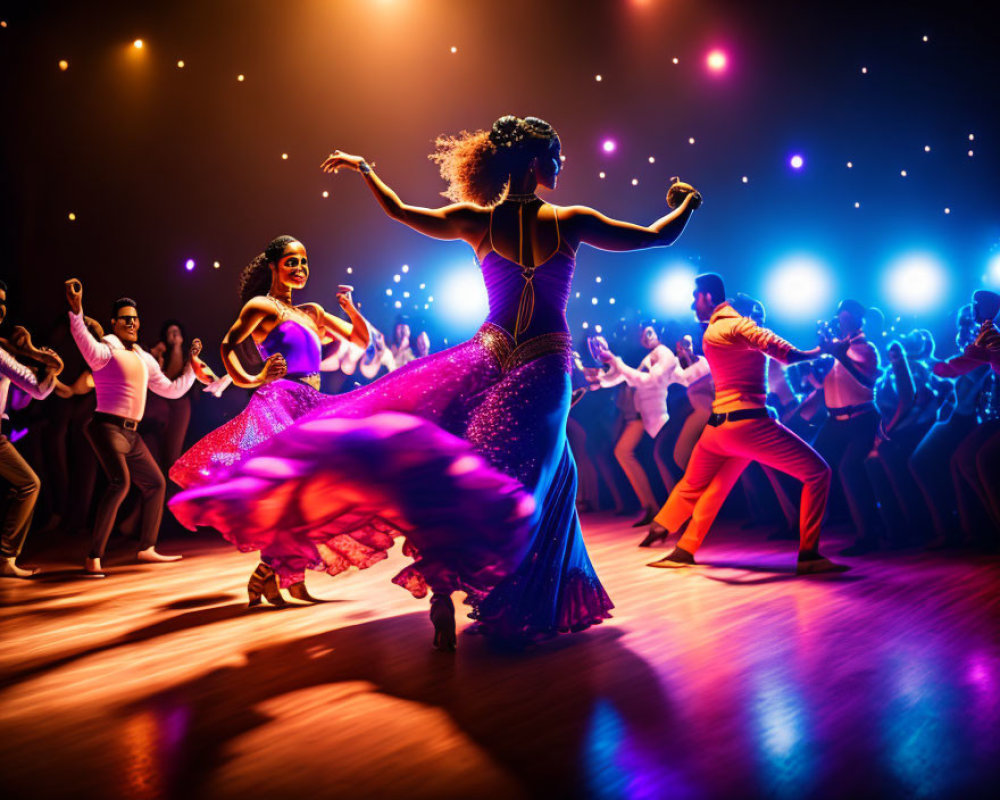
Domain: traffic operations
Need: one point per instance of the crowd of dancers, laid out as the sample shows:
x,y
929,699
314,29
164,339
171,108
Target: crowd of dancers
x,y
467,454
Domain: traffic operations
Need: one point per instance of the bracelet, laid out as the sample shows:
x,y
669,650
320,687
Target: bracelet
x,y
363,168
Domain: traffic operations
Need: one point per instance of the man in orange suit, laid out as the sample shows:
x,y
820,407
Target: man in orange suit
x,y
741,430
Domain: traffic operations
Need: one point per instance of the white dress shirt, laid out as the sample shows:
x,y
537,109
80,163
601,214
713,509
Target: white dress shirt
x,y
14,372
651,380
122,375
840,388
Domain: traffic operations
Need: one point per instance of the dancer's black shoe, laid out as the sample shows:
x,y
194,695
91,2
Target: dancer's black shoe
x,y
678,558
443,619
657,533
645,519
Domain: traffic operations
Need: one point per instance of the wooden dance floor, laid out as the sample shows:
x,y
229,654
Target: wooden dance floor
x,y
734,680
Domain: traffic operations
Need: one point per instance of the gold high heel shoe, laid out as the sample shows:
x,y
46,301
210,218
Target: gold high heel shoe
x,y
264,581
300,592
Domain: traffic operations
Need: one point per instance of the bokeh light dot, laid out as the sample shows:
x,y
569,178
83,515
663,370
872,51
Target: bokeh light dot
x,y
796,161
284,156
216,265
180,64
635,181
138,44
608,146
405,268
601,175
927,148
241,77
189,264
454,49
71,216
652,160
902,173
598,78
690,140
64,65
850,164
396,278
745,179
326,193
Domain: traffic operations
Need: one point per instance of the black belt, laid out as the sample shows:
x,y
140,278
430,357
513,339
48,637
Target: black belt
x,y
114,419
735,416
846,412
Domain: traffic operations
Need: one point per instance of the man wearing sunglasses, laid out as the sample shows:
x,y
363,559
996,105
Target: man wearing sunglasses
x,y
122,373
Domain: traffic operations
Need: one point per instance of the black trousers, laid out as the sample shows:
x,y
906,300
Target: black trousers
x,y
21,493
844,445
125,459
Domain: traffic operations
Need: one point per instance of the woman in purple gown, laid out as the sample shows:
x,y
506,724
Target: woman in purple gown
x,y
506,391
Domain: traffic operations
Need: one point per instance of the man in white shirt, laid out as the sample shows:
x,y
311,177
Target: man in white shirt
x,y
651,381
122,372
848,435
23,484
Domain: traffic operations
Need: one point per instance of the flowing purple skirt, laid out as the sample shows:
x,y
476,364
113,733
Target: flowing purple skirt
x,y
463,452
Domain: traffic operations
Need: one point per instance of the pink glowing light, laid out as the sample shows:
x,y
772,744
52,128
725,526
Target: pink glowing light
x,y
609,146
716,61
189,264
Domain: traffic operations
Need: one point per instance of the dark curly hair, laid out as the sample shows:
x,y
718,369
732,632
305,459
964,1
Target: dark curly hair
x,y
478,165
255,279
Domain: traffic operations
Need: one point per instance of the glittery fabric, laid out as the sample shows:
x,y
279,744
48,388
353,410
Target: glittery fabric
x,y
464,452
272,408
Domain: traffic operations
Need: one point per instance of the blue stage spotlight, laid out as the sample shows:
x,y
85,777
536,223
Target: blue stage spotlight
x,y
462,295
672,291
799,287
916,282
993,271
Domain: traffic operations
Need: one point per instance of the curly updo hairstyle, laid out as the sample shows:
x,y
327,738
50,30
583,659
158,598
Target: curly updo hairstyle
x,y
477,166
255,279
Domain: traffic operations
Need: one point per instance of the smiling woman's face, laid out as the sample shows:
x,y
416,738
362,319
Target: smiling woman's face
x,y
292,268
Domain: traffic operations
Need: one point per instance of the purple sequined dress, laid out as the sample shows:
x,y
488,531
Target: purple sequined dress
x,y
507,399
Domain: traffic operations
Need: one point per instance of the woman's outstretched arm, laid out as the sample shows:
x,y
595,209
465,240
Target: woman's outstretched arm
x,y
457,221
583,225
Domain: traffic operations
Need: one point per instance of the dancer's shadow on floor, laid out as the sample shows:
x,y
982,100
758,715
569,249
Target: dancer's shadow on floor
x,y
770,574
174,624
560,718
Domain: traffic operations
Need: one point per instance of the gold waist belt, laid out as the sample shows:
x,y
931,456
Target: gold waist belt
x,y
509,357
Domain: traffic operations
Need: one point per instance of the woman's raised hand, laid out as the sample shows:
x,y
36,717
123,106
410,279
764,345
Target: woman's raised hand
x,y
338,159
679,190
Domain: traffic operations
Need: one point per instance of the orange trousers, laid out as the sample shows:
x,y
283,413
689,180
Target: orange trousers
x,y
721,454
